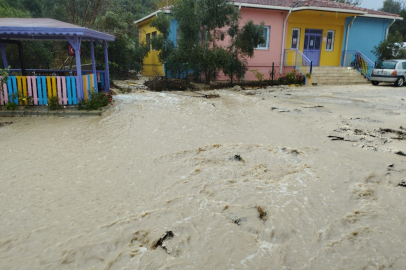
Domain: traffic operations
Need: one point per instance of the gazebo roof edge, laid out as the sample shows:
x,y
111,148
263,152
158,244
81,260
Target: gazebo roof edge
x,y
17,28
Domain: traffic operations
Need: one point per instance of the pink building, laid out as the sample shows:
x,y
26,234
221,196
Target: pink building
x,y
303,34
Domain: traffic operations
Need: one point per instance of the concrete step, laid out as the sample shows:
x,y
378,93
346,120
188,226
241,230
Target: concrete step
x,y
340,83
338,78
338,75
342,77
327,75
338,71
331,81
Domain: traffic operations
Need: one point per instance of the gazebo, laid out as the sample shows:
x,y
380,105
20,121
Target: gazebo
x,y
68,85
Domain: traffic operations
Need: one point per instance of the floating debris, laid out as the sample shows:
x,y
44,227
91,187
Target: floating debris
x,y
237,158
212,96
167,235
309,106
2,124
400,153
262,213
239,221
336,138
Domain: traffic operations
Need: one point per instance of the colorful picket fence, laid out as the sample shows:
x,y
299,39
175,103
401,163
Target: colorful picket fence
x,y
40,88
89,85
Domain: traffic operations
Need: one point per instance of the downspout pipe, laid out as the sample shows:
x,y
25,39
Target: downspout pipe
x,y
283,40
387,29
348,32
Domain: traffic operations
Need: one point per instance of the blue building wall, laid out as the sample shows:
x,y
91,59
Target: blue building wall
x,y
365,34
172,34
174,70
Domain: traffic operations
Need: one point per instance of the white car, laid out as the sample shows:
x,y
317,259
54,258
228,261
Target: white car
x,y
390,71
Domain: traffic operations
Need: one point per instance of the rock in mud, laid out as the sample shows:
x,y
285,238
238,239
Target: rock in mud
x,y
402,183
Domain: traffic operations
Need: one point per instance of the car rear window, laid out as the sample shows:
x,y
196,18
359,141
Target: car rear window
x,y
387,65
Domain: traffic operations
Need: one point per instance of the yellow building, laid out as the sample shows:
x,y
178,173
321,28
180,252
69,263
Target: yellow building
x,y
320,31
152,66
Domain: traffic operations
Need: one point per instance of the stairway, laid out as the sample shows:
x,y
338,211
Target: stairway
x,y
333,75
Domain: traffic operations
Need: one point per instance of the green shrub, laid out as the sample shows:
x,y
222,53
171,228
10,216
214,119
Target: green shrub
x,y
11,106
96,101
53,103
258,74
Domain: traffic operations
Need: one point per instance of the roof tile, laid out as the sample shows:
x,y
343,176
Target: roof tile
x,y
315,3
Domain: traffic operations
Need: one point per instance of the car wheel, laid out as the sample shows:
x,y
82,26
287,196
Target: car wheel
x,y
399,82
375,83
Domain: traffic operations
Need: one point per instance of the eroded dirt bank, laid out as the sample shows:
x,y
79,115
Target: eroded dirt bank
x,y
297,178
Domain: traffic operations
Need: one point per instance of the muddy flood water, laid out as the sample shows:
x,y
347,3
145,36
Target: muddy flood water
x,y
279,178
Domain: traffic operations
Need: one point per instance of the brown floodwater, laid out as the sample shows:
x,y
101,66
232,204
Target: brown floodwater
x,y
170,181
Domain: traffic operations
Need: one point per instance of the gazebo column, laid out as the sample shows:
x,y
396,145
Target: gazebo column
x,y
3,54
106,62
93,64
75,43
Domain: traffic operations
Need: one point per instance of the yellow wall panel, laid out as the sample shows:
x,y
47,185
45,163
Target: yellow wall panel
x,y
323,21
152,66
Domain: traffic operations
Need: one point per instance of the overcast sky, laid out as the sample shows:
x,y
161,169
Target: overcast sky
x,y
372,4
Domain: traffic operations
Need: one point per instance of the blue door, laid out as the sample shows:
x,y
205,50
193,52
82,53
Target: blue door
x,y
312,45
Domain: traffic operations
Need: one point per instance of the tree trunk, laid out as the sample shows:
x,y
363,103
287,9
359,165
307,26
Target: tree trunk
x,y
207,74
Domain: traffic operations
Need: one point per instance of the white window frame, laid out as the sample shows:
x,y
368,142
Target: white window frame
x,y
267,39
332,40
298,39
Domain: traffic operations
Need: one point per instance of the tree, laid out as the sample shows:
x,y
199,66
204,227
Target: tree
x,y
350,2
204,27
392,6
35,53
396,7
125,52
390,48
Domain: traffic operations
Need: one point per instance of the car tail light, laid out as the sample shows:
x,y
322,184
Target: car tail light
x,y
394,73
373,73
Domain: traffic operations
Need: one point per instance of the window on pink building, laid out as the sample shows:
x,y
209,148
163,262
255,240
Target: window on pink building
x,y
267,33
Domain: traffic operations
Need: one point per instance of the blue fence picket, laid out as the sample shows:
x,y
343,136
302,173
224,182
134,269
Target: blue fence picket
x,y
12,88
42,90
68,90
71,89
40,100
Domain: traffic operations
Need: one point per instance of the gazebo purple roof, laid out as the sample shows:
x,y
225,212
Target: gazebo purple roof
x,y
49,29
36,29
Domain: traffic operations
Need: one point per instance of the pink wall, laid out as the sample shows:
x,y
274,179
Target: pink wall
x,y
262,59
